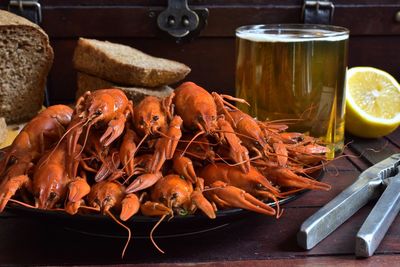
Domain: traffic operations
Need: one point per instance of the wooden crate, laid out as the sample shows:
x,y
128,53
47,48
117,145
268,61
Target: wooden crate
x,y
374,41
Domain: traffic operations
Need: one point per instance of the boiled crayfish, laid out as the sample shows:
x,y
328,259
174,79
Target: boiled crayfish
x,y
190,151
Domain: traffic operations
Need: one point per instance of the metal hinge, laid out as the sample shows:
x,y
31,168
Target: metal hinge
x,y
29,9
317,12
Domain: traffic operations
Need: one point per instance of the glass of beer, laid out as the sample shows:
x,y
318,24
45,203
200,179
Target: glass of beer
x,y
295,73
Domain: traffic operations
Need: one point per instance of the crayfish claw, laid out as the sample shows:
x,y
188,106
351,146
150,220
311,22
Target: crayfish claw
x,y
184,166
130,206
10,187
203,204
72,208
150,208
114,130
238,198
287,178
143,181
78,189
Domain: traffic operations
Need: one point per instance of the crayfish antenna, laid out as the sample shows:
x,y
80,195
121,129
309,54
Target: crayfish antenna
x,y
90,124
124,226
26,205
152,231
59,142
137,149
190,142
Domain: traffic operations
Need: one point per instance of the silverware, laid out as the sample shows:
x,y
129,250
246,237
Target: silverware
x,y
369,185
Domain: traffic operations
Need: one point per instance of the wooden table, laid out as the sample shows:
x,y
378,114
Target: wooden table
x,y
257,240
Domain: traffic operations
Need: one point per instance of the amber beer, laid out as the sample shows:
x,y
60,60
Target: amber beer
x,y
295,72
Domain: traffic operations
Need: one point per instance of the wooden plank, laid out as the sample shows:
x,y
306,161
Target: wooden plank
x,y
373,150
207,2
164,3
258,237
139,18
316,198
355,158
141,21
377,260
395,138
378,51
212,60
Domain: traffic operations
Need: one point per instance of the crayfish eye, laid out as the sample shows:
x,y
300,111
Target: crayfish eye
x,y
98,112
141,122
107,199
52,196
200,118
259,186
155,118
13,159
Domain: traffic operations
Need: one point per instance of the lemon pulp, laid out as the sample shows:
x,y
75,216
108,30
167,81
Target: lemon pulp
x,y
372,102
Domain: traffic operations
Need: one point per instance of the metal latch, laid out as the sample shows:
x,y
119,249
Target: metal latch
x,y
179,20
30,9
317,12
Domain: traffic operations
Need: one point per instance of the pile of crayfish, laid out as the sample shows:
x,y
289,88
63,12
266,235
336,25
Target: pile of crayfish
x,y
192,150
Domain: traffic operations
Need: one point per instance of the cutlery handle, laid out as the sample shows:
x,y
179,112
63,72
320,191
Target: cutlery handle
x,y
381,217
337,211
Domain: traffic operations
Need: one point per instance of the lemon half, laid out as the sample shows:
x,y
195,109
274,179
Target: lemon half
x,y
372,102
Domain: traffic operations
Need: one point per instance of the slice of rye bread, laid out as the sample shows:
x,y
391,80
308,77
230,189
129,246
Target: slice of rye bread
x,y
3,130
136,94
125,65
25,60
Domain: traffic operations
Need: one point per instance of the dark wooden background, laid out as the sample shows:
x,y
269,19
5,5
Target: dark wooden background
x,y
374,41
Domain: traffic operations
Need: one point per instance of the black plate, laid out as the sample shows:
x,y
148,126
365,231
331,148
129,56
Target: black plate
x,y
101,225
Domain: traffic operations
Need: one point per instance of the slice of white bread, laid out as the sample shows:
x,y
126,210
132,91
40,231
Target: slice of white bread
x,y
125,65
136,94
25,60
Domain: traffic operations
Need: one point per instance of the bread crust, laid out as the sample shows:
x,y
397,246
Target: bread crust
x,y
106,60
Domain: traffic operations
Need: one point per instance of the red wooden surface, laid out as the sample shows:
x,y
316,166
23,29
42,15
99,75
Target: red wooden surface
x,y
256,240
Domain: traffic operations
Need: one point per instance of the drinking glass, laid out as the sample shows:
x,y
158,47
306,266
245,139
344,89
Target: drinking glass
x,y
295,73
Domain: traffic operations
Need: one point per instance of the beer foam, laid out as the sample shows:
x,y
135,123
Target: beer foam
x,y
287,37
